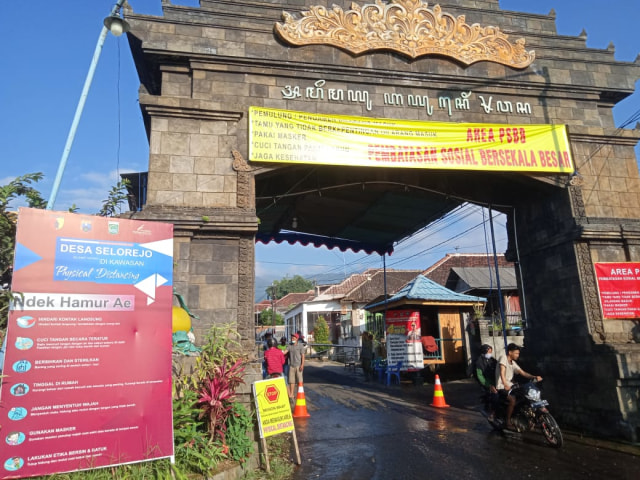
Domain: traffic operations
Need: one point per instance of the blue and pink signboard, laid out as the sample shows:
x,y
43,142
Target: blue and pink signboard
x,y
88,357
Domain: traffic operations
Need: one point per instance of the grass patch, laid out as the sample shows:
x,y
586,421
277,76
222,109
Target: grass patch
x,y
280,460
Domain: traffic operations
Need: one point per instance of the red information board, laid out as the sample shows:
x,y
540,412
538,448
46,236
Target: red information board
x,y
619,287
88,359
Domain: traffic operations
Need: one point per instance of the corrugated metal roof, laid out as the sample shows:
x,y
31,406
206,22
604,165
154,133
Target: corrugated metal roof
x,y
427,290
485,278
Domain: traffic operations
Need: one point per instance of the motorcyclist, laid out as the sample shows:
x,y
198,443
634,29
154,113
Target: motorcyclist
x,y
505,371
485,374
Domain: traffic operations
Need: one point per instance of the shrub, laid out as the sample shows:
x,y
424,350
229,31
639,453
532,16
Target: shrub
x,y
321,330
239,433
209,426
194,449
216,396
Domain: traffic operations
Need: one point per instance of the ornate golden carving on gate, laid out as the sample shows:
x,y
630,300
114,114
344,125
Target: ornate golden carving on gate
x,y
405,26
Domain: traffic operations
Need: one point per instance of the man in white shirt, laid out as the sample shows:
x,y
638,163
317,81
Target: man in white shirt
x,y
505,371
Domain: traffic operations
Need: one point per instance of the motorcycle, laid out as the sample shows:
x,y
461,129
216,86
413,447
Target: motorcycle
x,y
530,414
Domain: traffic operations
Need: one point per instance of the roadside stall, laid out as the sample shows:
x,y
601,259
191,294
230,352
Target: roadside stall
x,y
425,325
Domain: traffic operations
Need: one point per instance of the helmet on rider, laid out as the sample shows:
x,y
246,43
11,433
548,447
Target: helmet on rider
x,y
272,343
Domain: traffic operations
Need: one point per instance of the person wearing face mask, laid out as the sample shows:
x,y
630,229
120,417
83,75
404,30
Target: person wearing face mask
x,y
485,368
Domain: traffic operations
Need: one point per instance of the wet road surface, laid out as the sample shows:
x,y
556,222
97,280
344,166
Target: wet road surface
x,y
364,430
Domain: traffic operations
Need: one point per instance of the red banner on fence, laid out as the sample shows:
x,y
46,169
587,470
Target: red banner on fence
x,y
619,287
88,358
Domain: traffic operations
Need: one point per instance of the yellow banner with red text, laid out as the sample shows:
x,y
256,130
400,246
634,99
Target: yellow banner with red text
x,y
283,136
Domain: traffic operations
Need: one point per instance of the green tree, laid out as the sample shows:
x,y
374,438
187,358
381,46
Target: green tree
x,y
296,284
266,317
116,197
321,331
21,187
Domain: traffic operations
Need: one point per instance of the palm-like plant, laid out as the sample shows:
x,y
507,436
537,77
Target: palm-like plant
x,y
216,396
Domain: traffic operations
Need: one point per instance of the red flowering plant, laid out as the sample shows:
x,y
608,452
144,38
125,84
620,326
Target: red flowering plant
x,y
204,395
217,394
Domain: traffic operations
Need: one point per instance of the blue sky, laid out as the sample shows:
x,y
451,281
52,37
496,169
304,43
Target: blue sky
x,y
46,51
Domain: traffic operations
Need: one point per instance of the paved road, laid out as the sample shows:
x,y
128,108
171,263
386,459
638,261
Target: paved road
x,y
365,431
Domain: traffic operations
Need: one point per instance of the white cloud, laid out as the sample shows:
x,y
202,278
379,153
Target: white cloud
x,y
6,180
91,189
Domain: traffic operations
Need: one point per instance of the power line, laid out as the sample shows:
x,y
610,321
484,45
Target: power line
x,y
298,264
448,221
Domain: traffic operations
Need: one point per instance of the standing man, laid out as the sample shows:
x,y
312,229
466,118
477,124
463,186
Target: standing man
x,y
296,364
507,368
285,350
274,359
265,346
485,374
366,355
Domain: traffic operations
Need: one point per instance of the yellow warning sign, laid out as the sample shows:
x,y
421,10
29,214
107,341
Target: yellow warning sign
x,y
272,404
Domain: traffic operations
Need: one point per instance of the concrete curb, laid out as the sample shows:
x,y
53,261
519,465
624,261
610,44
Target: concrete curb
x,y
236,472
608,444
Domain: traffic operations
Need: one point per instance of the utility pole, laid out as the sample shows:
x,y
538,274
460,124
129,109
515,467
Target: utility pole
x,y
273,312
116,25
495,261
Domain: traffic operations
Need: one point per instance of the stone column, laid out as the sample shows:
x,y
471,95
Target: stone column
x,y
590,361
201,184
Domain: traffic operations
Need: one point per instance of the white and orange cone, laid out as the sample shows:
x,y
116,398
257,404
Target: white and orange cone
x,y
438,395
300,410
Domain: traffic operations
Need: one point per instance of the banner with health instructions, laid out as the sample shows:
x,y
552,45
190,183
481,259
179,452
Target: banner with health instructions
x,y
619,289
88,360
284,136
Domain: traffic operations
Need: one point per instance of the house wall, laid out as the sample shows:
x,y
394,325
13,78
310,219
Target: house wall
x,y
303,311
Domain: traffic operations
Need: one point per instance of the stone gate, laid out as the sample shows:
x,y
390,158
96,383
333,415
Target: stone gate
x,y
202,68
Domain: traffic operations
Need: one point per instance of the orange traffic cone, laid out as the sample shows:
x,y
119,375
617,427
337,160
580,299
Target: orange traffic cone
x,y
438,395
300,410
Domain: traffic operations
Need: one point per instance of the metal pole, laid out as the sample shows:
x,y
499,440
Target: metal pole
x,y
273,312
76,119
525,317
495,260
386,298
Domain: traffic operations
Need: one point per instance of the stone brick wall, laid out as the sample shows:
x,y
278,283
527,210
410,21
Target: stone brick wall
x,y
189,163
